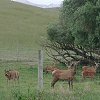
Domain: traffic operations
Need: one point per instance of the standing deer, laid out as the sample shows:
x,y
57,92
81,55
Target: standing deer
x,y
64,75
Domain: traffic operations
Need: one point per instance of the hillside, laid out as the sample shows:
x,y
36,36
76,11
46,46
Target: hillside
x,y
22,26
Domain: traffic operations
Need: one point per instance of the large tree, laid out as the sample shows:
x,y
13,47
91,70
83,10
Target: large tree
x,y
77,34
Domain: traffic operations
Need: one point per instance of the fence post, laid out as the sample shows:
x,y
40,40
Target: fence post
x,y
40,70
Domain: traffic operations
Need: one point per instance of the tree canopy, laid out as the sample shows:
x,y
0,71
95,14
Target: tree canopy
x,y
82,19
77,31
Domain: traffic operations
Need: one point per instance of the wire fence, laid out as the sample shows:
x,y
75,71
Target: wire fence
x,y
18,55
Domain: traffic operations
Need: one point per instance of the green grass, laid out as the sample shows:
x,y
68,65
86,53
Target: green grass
x,y
22,27
27,89
27,79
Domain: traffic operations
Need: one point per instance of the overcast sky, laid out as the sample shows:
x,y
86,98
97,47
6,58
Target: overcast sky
x,y
46,1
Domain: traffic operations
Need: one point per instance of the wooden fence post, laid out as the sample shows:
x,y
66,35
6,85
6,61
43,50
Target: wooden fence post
x,y
40,70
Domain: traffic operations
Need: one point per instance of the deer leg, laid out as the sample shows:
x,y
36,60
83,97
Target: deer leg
x,y
92,77
46,72
7,81
18,80
69,83
54,81
83,77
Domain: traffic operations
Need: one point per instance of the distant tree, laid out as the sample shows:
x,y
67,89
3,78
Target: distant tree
x,y
77,34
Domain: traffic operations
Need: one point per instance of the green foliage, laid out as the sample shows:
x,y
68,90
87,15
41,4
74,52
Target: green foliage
x,y
82,20
79,19
57,33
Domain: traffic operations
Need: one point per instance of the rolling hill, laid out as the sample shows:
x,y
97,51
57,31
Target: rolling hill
x,y
22,26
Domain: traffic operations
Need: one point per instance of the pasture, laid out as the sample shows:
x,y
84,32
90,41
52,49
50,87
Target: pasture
x,y
27,89
22,27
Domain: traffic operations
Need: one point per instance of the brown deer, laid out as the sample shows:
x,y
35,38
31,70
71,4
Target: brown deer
x,y
12,75
89,71
49,69
64,75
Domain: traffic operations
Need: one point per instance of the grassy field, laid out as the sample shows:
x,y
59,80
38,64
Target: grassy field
x,y
27,89
22,27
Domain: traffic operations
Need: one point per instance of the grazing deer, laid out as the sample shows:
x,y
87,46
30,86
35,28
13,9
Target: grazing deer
x,y
89,71
49,69
12,75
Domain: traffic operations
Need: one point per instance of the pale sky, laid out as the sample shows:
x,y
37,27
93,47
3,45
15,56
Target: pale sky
x,y
41,2
46,1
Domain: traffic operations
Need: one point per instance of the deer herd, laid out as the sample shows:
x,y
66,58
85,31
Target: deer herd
x,y
69,74
59,74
